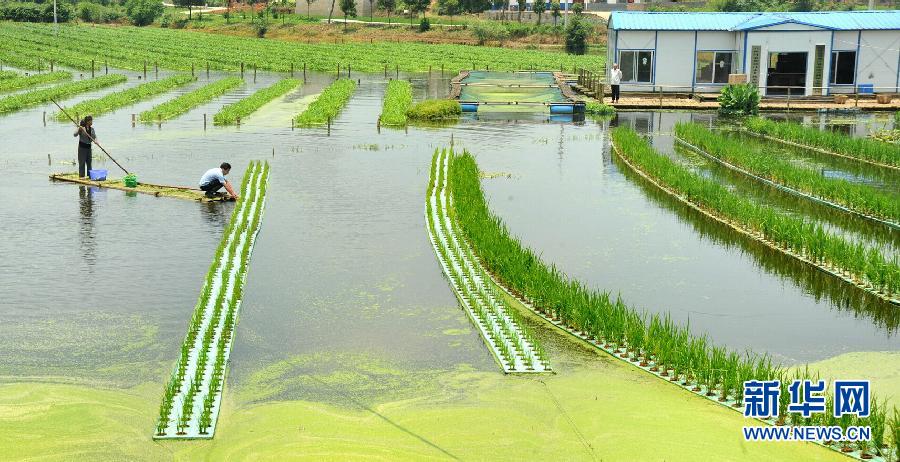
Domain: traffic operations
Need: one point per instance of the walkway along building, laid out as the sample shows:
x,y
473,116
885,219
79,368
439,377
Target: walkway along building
x,y
814,53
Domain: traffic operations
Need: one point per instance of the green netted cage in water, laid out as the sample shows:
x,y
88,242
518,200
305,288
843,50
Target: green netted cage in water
x,y
484,91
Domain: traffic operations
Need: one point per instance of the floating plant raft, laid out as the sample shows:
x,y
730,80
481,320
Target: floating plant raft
x,y
143,188
513,348
193,396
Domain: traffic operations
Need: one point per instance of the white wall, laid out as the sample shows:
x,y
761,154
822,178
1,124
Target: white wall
x,y
879,52
675,59
713,40
845,40
783,41
635,40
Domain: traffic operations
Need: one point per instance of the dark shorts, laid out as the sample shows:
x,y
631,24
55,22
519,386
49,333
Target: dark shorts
x,y
212,186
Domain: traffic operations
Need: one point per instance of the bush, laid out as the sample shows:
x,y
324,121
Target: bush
x,y
143,12
261,25
486,31
739,100
577,34
595,108
435,109
34,12
424,25
97,13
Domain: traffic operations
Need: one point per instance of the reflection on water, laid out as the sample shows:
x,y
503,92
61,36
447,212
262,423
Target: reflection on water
x,y
824,287
86,233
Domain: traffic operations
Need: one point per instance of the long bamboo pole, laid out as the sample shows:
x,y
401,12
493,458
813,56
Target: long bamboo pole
x,y
91,137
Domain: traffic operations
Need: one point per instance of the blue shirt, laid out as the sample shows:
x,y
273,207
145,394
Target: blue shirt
x,y
212,174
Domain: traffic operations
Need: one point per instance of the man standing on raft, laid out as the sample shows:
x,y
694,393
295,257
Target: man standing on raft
x,y
214,179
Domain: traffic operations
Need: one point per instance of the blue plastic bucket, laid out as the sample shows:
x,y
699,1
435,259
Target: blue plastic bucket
x,y
97,175
866,88
469,107
562,108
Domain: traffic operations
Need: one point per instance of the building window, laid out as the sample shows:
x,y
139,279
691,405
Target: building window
x,y
714,66
637,66
843,67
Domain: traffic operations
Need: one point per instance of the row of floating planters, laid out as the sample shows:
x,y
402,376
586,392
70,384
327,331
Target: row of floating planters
x,y
192,398
856,198
502,330
653,343
19,101
859,149
870,270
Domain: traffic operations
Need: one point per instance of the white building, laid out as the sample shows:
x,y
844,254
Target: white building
x,y
801,53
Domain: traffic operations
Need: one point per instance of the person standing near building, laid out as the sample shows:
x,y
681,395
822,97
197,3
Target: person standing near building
x,y
615,78
86,136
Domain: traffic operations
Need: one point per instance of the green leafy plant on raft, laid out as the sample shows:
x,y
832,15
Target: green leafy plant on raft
x,y
16,82
739,100
435,110
757,160
795,236
598,109
232,112
669,349
861,149
397,100
20,101
173,108
123,98
329,103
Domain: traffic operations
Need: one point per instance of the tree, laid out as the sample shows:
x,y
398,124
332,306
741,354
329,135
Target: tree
x,y
520,9
577,9
348,7
416,7
388,6
449,7
189,4
308,4
331,11
577,34
143,12
371,10
555,11
539,6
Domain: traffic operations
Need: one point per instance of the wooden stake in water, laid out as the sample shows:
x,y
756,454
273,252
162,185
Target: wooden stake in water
x,y
106,67
132,120
207,70
329,126
192,69
51,65
242,69
304,72
348,70
254,73
204,122
292,70
92,67
45,120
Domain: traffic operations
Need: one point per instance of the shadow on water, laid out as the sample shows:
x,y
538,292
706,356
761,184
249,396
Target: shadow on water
x,y
820,285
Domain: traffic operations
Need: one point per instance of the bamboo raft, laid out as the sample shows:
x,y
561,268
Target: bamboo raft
x,y
158,190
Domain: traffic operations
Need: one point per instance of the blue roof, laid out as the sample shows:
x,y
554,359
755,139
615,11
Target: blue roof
x,y
833,20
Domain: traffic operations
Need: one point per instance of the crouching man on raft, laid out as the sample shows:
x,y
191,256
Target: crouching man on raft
x,y
214,179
